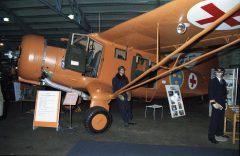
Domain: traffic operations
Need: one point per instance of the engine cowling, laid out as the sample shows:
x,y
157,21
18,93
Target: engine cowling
x,y
31,59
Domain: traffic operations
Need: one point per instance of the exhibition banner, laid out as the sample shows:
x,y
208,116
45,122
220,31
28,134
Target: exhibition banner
x,y
175,101
47,109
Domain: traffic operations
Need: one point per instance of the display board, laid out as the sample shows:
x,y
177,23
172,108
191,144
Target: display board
x,y
47,109
175,101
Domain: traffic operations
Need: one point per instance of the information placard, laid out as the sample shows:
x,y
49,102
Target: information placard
x,y
70,99
175,101
47,109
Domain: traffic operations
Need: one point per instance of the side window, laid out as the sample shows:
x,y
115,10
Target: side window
x,y
120,54
93,58
139,66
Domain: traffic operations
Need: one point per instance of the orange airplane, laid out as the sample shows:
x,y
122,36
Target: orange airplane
x,y
164,46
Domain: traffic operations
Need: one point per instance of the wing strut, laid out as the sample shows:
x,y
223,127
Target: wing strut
x,y
181,48
183,65
158,43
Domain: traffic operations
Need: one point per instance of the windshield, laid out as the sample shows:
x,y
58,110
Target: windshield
x,y
80,41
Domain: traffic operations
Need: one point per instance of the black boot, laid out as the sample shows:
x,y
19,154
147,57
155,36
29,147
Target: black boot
x,y
213,140
131,122
126,124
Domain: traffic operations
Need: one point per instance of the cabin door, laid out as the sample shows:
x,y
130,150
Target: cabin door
x,y
75,58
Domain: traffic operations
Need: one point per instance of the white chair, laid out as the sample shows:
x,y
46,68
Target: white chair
x,y
154,106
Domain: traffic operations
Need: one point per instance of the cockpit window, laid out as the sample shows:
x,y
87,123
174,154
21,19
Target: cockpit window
x,y
80,41
120,54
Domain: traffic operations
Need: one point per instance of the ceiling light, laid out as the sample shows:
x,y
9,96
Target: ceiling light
x,y
6,19
71,16
1,44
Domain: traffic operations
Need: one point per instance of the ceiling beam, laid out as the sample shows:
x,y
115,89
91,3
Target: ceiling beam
x,y
80,25
58,4
59,20
158,3
25,4
77,12
53,31
24,27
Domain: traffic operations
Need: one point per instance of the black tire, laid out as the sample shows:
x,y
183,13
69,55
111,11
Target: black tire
x,y
98,113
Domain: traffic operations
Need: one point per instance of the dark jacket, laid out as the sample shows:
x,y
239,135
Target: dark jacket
x,y
217,91
119,82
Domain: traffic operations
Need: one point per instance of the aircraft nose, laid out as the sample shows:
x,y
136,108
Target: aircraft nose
x,y
30,62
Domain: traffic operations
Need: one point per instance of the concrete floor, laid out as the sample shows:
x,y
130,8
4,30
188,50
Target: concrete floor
x,y
18,138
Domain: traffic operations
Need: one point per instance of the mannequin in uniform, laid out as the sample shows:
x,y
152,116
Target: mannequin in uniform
x,y
123,100
217,93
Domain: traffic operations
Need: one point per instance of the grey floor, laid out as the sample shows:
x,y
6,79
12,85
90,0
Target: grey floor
x,y
18,138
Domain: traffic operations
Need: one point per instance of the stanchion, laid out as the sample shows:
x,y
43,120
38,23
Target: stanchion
x,y
70,99
70,126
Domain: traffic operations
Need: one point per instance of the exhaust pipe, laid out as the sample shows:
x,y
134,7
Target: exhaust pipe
x,y
66,89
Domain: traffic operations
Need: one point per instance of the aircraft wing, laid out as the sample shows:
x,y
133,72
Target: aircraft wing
x,y
141,32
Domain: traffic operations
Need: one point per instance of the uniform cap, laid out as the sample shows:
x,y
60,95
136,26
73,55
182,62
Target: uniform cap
x,y
219,70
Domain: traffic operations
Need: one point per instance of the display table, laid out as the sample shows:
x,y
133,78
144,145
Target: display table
x,y
232,114
154,106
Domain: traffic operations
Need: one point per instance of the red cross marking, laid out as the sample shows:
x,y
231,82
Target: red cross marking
x,y
216,13
193,81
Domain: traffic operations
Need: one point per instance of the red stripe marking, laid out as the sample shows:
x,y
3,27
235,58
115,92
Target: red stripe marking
x,y
217,13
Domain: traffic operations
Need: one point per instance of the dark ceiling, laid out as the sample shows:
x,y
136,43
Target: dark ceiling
x,y
50,17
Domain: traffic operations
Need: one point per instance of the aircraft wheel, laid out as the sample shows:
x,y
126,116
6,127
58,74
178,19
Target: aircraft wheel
x,y
98,120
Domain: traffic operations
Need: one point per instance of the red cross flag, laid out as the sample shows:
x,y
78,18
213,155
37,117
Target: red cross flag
x,y
192,81
206,12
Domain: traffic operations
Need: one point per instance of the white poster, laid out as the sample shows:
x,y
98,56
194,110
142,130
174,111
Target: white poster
x,y
17,91
175,101
47,105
